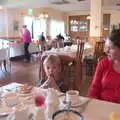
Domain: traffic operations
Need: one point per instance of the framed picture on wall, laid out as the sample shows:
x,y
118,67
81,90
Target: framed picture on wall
x,y
15,25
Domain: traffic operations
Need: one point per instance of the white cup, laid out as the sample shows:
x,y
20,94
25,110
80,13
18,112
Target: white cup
x,y
72,96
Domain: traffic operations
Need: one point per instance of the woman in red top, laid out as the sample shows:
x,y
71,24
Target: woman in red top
x,y
106,81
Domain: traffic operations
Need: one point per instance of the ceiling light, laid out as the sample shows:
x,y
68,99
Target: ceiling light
x,y
43,15
88,17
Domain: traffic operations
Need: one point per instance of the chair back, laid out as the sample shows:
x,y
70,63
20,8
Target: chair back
x,y
79,56
71,68
68,71
54,43
80,49
99,50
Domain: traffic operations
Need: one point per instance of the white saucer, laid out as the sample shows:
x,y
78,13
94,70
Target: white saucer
x,y
5,111
25,94
82,101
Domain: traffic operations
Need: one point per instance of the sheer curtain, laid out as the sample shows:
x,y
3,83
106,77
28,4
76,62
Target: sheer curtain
x,y
35,25
56,27
39,26
28,21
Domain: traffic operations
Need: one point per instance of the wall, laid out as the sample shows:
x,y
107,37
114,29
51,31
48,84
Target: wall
x,y
13,16
114,18
13,23
9,16
3,23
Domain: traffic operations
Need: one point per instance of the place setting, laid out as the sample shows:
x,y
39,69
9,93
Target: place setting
x,y
4,110
47,104
70,100
73,97
8,103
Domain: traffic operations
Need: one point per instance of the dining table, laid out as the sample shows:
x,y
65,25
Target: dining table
x,y
70,51
91,109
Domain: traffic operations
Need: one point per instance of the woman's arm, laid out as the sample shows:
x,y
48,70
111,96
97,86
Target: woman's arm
x,y
95,88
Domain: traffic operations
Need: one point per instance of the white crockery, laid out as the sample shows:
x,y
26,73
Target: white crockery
x,y
11,99
72,96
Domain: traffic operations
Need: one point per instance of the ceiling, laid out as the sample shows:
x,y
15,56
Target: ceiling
x,y
74,5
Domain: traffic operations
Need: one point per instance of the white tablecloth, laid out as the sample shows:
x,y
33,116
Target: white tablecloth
x,y
95,109
4,54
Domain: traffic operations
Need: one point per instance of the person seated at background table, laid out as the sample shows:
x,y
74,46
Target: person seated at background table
x,y
60,37
42,37
52,67
106,81
42,41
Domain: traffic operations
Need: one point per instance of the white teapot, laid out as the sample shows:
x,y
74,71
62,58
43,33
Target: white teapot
x,y
52,102
52,97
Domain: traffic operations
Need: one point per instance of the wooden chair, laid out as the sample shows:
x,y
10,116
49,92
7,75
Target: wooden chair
x,y
98,55
54,43
99,50
79,56
67,64
71,69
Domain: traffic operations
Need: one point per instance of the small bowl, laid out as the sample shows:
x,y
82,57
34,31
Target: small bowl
x,y
77,115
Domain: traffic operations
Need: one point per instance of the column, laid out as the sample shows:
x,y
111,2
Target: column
x,y
96,20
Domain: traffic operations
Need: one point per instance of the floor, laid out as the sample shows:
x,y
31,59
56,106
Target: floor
x,y
21,72
28,72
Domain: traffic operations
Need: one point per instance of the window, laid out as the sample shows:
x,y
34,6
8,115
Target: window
x,y
56,27
35,25
36,28
28,21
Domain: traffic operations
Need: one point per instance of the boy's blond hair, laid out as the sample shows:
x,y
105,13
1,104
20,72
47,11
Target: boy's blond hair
x,y
52,59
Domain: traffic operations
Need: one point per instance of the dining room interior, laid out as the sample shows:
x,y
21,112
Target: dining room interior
x,y
88,21
74,30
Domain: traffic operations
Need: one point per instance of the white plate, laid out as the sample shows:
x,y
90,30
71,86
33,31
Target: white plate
x,y
25,94
4,111
82,101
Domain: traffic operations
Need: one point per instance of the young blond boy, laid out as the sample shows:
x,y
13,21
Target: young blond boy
x,y
52,67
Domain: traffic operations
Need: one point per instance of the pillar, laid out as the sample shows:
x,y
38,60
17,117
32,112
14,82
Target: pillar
x,y
96,20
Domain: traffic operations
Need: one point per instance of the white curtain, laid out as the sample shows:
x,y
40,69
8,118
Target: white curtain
x,y
28,21
56,27
39,26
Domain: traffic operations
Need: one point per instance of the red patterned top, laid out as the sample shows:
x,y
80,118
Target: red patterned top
x,y
106,82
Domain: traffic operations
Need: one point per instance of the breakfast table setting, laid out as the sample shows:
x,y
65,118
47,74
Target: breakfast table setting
x,y
70,50
26,102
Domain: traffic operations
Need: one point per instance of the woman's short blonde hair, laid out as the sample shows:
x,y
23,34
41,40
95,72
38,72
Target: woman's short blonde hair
x,y
52,59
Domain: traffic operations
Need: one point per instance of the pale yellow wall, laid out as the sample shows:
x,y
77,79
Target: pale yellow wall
x,y
8,16
12,17
15,14
78,13
3,23
115,17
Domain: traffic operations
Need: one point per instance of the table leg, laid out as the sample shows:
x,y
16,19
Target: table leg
x,y
4,63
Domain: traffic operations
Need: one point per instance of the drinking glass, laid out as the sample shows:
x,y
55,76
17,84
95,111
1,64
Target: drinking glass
x,y
39,100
